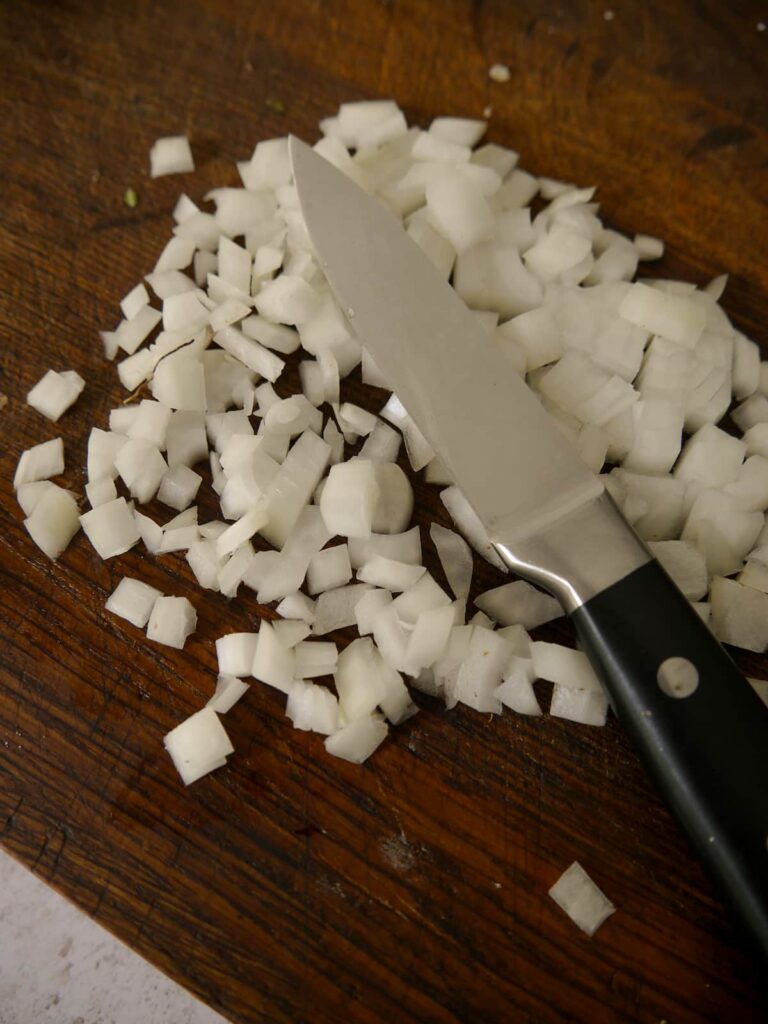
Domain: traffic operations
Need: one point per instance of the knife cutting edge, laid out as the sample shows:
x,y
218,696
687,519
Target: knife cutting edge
x,y
697,724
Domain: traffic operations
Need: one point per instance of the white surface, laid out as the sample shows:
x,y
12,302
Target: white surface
x,y
57,966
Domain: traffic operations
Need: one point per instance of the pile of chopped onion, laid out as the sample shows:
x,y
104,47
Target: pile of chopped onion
x,y
315,511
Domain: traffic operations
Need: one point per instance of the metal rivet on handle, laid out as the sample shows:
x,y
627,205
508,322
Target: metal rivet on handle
x,y
677,677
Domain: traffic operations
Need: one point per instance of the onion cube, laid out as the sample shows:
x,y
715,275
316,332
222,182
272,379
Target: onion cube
x,y
103,446
28,495
588,707
290,633
172,620
396,704
228,692
273,663
358,740
722,531
403,547
348,502
111,528
739,615
198,745
315,658
556,252
312,707
684,564
648,247
39,463
492,275
519,603
468,522
328,569
710,457
672,316
235,653
422,596
179,382
54,520
204,563
297,606
179,487
516,693
141,467
292,486
133,600
585,904
170,155
242,530
455,559
746,367
55,393
359,687
565,666
335,609
368,607
287,300
149,422
394,505
390,574
136,299
459,211
429,638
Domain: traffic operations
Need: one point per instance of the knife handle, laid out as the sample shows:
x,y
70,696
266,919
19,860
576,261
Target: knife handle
x,y
698,725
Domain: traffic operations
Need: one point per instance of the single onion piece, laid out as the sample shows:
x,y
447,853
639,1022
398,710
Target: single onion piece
x,y
312,707
348,502
455,558
390,574
585,904
39,463
55,393
564,666
423,595
403,547
273,663
328,569
297,606
314,658
198,745
588,707
28,495
519,603
235,653
358,740
111,528
470,526
394,506
54,521
359,688
133,600
516,692
228,692
172,620
170,155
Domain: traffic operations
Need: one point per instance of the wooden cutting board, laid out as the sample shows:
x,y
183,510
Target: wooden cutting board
x,y
292,887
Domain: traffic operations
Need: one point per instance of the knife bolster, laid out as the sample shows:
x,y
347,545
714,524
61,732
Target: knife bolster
x,y
580,555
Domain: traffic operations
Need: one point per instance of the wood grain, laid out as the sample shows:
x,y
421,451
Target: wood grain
x,y
287,887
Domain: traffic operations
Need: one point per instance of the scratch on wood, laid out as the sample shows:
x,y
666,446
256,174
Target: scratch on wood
x,y
10,819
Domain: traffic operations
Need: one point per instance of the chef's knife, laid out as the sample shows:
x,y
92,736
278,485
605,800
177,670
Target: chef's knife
x,y
698,725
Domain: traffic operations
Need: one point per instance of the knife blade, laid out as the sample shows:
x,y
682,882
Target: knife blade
x,y
699,727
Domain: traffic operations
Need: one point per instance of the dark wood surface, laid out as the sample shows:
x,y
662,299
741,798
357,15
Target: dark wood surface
x,y
292,887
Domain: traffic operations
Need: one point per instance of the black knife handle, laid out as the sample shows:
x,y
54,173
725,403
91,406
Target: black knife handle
x,y
707,751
